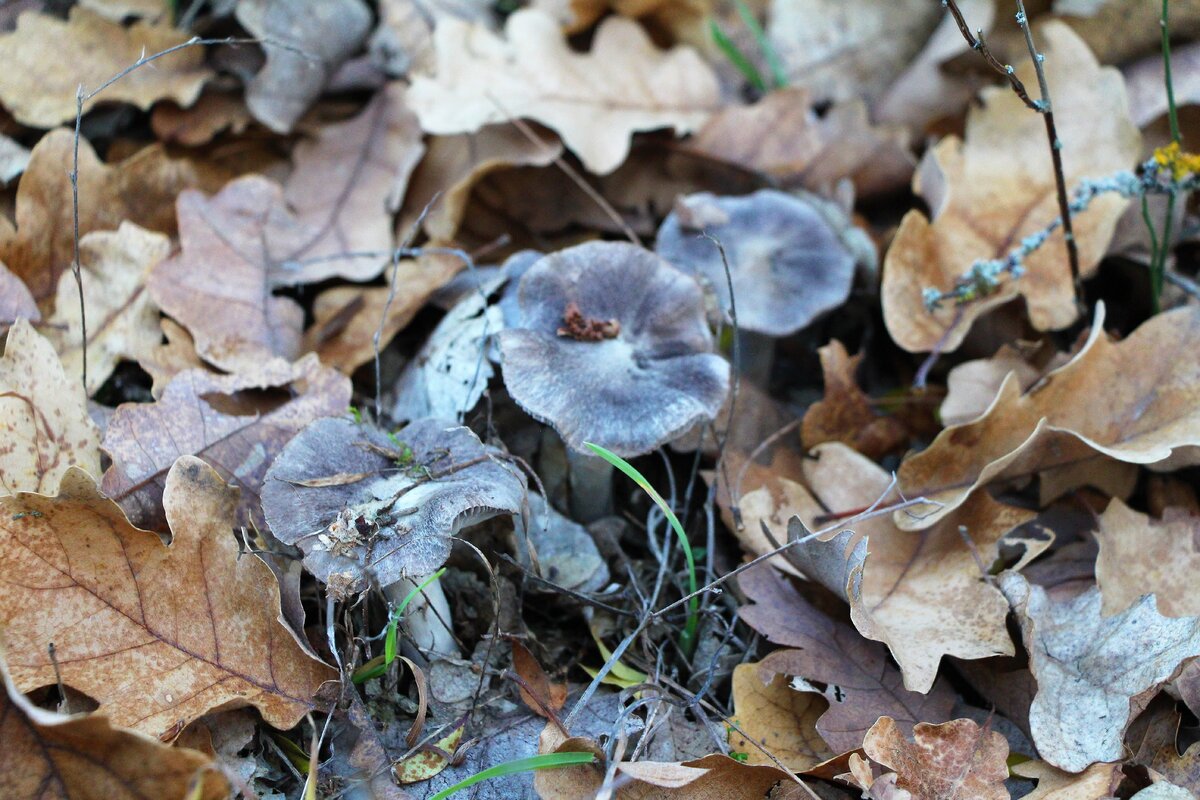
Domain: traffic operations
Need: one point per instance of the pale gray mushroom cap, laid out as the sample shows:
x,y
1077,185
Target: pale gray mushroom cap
x,y
336,493
630,393
786,262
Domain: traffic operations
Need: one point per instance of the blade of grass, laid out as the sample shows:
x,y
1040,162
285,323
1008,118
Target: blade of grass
x,y
774,62
374,668
736,57
544,761
688,640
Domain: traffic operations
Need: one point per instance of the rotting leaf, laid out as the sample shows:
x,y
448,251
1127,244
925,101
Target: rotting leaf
x,y
777,718
624,84
44,424
846,413
1140,556
49,756
39,89
1132,401
996,187
956,760
1088,667
158,635
397,523
197,415
862,684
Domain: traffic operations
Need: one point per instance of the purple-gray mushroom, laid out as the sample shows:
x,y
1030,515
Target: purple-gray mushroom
x,y
365,506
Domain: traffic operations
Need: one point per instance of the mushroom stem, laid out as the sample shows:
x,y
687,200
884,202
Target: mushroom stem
x,y
424,615
757,355
590,480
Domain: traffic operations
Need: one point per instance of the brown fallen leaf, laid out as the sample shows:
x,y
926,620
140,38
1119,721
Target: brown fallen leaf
x,y
956,760
1130,401
404,38
538,693
992,189
1139,555
1096,782
454,164
776,718
44,424
347,183
1089,668
677,20
141,189
82,756
15,300
236,423
39,89
863,684
846,413
122,320
158,635
972,386
305,42
219,286
921,592
169,358
201,122
595,101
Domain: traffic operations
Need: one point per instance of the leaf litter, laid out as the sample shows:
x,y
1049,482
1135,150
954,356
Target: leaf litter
x,y
312,312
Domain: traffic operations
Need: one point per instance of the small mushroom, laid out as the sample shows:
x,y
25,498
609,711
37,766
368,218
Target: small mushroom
x,y
787,262
612,347
367,506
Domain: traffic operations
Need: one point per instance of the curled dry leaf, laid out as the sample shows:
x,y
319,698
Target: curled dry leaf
x,y
166,360
411,494
863,684
956,760
236,423
219,286
1131,401
778,719
846,413
921,593
1094,783
15,300
972,386
44,424
201,122
346,185
990,191
1089,667
1141,556
305,41
158,635
141,189
122,320
595,101
48,756
39,89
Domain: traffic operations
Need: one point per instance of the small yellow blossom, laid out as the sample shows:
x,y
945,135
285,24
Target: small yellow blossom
x,y
1180,163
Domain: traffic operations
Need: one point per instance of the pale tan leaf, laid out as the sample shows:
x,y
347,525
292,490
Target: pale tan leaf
x,y
780,719
44,424
595,101
1094,783
1139,555
992,189
158,635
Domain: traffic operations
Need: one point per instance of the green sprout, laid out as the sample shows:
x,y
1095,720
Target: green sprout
x,y
544,761
687,641
741,61
379,665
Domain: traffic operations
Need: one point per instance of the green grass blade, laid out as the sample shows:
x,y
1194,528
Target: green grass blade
x,y
544,761
737,57
689,633
374,668
770,54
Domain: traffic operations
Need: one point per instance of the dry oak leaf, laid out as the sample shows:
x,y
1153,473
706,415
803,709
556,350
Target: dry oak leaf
x,y
1090,667
403,41
595,101
990,191
1094,783
220,285
51,756
675,20
44,424
972,386
171,357
15,300
453,165
140,189
846,414
38,88
956,760
921,593
773,716
1141,556
1132,401
236,423
346,185
122,320
158,635
200,123
862,683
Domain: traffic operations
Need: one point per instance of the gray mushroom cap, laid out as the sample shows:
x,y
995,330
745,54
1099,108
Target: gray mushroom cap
x,y
786,262
631,393
337,492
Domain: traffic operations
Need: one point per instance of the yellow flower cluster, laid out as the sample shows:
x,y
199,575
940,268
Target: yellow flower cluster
x,y
1180,163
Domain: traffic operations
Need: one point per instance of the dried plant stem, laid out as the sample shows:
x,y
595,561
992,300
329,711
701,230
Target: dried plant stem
x,y
1042,106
